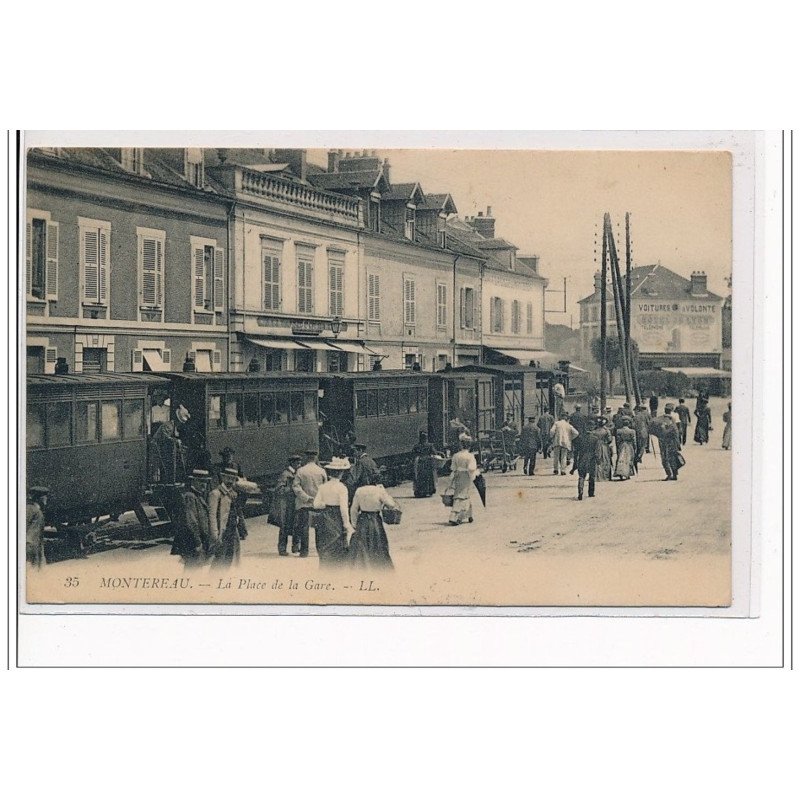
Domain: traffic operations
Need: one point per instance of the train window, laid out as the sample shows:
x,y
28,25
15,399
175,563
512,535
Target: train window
x,y
361,403
250,409
233,411
297,406
372,403
268,409
132,419
59,424
86,421
413,405
394,401
110,414
383,402
403,401
35,426
310,406
423,399
281,408
215,403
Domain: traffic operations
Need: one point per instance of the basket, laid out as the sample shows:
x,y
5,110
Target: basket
x,y
448,498
391,516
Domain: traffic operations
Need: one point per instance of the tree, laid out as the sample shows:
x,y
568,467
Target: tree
x,y
614,356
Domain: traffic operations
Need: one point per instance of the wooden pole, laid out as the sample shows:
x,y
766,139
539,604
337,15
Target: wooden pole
x,y
628,281
616,281
603,274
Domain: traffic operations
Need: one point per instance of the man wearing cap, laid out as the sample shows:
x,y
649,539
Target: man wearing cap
x,y
305,486
545,422
530,443
587,454
364,471
226,520
685,416
228,461
562,434
281,512
641,425
666,430
192,538
38,497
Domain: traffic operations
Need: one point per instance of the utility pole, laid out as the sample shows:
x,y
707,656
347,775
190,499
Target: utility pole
x,y
628,279
603,355
616,280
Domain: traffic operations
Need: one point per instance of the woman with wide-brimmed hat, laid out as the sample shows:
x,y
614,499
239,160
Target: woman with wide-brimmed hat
x,y
332,517
465,469
369,546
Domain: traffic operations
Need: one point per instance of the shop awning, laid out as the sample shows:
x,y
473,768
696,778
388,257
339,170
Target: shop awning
x,y
277,344
524,356
319,344
154,362
356,347
699,372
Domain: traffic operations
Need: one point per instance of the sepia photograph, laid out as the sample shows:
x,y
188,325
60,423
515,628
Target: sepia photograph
x,y
417,377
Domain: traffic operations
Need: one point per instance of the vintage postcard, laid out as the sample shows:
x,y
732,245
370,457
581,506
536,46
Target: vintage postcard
x,y
306,376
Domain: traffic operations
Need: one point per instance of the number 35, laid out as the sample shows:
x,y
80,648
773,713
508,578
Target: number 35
x,y
71,583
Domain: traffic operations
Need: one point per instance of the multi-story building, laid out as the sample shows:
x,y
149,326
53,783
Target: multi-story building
x,y
126,261
675,322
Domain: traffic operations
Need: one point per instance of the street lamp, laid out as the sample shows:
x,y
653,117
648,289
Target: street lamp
x,y
336,326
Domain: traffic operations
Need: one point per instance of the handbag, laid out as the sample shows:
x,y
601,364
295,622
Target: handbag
x,y
391,516
448,497
680,460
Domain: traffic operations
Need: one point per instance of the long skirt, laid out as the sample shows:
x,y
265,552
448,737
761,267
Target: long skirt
x,y
604,463
369,547
424,477
625,460
330,536
726,437
462,506
701,430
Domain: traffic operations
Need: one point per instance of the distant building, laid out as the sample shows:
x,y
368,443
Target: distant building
x,y
676,322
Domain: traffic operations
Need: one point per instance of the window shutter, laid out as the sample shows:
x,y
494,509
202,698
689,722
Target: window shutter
x,y
462,306
219,283
199,279
217,357
166,357
52,261
136,361
90,266
492,314
149,258
410,301
50,357
159,273
28,258
103,265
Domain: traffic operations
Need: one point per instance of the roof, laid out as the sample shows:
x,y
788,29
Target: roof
x,y
404,191
75,379
355,179
439,202
495,244
238,376
656,281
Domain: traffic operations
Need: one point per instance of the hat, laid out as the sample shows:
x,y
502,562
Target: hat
x,y
310,452
338,463
669,407
295,457
464,437
359,445
626,405
608,409
229,472
200,473
38,491
182,413
600,420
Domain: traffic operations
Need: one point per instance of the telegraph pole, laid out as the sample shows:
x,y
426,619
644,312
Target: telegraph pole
x,y
616,280
628,278
604,274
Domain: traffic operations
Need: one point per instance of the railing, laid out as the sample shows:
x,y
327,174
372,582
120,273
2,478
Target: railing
x,y
261,185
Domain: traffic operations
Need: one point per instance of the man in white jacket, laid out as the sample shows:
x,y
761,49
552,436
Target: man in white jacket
x,y
562,434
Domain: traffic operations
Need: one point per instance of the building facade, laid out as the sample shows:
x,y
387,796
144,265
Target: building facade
x,y
676,322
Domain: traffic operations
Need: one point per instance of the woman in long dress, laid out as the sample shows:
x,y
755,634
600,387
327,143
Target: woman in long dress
x,y
727,434
626,451
331,517
369,547
465,469
424,474
703,424
604,466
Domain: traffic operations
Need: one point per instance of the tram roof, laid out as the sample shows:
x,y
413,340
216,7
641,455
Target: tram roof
x,y
499,368
98,379
205,377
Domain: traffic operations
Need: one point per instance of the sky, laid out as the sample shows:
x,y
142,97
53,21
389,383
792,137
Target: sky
x,y
551,204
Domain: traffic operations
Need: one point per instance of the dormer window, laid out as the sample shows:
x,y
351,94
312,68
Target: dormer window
x,y
375,215
193,167
411,223
132,159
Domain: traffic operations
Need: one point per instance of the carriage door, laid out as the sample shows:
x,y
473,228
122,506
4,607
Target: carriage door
x,y
512,401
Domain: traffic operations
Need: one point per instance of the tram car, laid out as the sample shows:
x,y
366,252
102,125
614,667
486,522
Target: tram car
x,y
87,439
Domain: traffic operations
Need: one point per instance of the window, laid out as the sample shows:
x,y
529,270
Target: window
x,y
337,362
394,401
271,273
336,283
361,403
310,406
372,403
34,363
59,424
305,281
94,255
132,419
215,404
110,413
304,360
233,411
193,166
132,159
268,409
297,406
529,318
516,316
441,361
422,394
208,264
441,305
41,257
282,408
468,308
409,300
34,429
375,215
496,315
86,421
374,298
250,406
411,223
94,359
413,402
383,402
151,267
404,401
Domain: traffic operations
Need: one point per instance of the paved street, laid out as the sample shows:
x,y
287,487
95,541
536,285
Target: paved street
x,y
639,542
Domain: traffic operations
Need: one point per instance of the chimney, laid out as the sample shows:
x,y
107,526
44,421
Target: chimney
x,y
296,159
598,281
387,170
699,283
484,225
333,160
